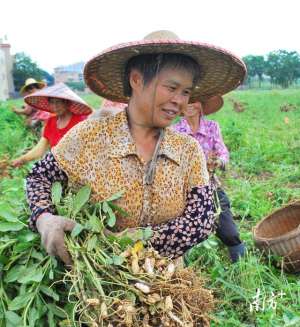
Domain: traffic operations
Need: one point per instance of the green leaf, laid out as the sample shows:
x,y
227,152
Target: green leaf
x,y
56,193
81,199
92,243
20,301
124,242
122,212
13,319
33,316
147,233
20,247
77,230
49,292
51,274
27,236
8,213
115,196
10,226
3,259
31,274
95,224
41,308
117,260
14,274
51,321
111,219
37,255
56,310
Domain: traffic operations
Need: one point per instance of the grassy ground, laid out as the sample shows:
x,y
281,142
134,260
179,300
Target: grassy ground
x,y
264,174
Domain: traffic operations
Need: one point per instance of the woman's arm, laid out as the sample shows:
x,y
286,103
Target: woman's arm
x,y
221,150
26,110
175,237
38,187
36,153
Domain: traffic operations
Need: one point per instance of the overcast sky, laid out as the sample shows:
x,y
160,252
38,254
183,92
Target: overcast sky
x,y
60,32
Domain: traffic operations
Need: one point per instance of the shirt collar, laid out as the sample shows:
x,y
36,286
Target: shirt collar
x,y
122,143
185,127
168,147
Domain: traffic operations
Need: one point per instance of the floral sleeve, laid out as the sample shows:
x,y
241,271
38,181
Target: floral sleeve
x,y
38,186
175,237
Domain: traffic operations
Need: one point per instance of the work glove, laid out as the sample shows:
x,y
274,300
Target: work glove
x,y
52,230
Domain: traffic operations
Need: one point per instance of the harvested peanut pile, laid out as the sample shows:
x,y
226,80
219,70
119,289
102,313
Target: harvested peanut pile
x,y
146,290
118,282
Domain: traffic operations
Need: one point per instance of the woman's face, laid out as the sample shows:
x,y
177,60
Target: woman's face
x,y
58,106
192,110
31,89
165,97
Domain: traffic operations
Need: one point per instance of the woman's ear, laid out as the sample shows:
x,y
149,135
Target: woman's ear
x,y
136,80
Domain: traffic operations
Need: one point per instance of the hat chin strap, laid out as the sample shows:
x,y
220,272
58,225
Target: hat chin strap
x,y
159,60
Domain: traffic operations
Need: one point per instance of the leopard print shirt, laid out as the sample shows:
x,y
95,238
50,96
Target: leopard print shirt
x,y
102,154
170,239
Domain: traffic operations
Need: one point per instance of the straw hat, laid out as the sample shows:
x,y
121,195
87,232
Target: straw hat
x,y
39,99
29,82
221,70
212,105
107,104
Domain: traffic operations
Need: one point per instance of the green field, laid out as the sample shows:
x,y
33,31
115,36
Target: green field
x,y
264,174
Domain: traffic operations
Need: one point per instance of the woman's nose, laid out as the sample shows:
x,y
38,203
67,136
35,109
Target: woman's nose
x,y
179,98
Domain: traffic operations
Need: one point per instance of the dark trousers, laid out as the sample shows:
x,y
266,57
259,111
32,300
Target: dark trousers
x,y
226,230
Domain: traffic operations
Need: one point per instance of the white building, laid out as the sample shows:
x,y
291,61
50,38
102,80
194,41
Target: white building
x,y
69,73
6,66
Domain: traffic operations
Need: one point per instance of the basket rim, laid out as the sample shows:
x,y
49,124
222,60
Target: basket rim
x,y
286,236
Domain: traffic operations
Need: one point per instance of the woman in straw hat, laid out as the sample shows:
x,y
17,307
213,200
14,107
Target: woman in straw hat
x,y
34,117
162,174
108,108
68,110
208,134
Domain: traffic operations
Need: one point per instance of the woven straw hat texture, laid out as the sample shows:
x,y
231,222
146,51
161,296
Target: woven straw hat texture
x,y
31,81
221,70
40,99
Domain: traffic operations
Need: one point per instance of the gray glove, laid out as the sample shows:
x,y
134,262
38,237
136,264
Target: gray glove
x,y
52,230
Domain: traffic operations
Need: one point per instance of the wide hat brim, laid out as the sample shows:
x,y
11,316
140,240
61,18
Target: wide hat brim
x,y
212,105
221,70
32,81
40,99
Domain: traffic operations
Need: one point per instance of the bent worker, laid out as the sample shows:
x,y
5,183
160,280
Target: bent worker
x,y
162,174
33,117
68,109
208,134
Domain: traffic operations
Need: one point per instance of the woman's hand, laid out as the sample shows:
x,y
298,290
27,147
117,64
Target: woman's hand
x,y
213,163
52,230
18,162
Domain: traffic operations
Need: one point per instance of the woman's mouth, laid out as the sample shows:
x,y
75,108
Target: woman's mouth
x,y
170,113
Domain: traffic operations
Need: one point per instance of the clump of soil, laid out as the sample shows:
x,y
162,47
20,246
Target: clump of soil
x,y
238,106
286,107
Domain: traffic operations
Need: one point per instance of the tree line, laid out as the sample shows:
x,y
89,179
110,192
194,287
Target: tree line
x,y
24,67
281,67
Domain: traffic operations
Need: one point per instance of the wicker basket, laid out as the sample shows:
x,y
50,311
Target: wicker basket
x,y
279,232
291,262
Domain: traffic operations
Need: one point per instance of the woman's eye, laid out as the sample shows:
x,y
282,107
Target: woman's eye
x,y
171,88
187,92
